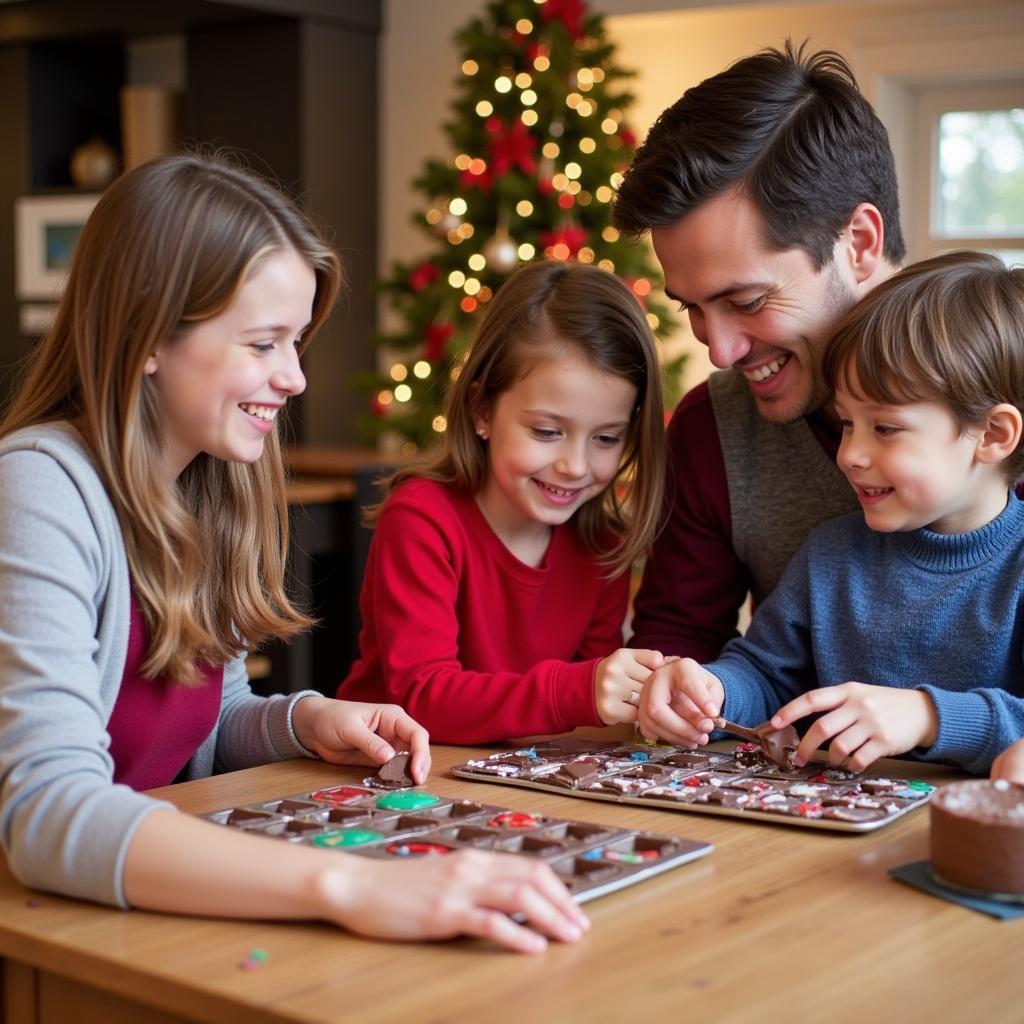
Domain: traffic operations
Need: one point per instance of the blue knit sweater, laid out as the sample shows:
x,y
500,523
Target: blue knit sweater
x,y
943,613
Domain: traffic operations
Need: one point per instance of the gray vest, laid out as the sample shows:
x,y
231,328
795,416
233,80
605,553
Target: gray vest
x,y
781,482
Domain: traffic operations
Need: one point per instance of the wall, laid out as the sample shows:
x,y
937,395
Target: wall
x,y
673,46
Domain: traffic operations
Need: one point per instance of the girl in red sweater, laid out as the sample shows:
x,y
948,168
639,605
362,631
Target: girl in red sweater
x,y
497,581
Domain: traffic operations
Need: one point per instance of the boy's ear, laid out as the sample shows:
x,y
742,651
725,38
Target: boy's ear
x,y
1001,433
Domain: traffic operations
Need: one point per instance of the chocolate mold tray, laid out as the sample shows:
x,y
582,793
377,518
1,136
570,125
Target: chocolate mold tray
x,y
591,859
741,783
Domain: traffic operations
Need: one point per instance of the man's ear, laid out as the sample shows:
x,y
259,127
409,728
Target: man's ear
x,y
1000,434
861,245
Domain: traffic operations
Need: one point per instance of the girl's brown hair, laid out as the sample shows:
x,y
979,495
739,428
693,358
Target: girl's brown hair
x,y
168,246
949,329
589,312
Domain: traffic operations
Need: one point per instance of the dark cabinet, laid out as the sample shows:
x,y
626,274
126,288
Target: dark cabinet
x,y
290,85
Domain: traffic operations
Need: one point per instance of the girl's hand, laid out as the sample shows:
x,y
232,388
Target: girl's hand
x,y
863,722
468,892
349,732
619,677
680,702
1009,764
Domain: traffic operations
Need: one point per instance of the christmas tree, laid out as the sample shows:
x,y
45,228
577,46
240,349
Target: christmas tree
x,y
539,142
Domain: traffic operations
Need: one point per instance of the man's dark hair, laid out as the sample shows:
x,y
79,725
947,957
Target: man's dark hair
x,y
792,130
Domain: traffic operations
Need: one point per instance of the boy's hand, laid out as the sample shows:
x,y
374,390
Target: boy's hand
x,y
619,680
351,732
679,703
863,722
1009,764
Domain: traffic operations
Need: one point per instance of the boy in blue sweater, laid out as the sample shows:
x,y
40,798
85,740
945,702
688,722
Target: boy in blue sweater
x,y
901,628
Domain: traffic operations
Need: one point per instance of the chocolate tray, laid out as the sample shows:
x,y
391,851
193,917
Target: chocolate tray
x,y
741,783
591,859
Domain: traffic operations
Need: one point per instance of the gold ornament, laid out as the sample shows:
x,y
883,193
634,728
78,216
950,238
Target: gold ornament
x,y
501,252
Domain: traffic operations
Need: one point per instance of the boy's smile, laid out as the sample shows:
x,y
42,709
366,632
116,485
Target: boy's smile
x,y
912,467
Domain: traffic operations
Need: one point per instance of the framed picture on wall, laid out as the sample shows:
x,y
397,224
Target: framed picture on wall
x,y
46,229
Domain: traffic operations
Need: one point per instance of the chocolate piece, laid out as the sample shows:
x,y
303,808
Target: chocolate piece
x,y
396,773
243,817
575,774
620,784
294,806
778,745
691,759
977,836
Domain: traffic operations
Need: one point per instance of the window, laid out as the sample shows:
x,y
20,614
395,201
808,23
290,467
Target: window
x,y
968,170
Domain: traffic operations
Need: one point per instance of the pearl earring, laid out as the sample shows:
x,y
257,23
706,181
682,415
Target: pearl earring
x,y
481,433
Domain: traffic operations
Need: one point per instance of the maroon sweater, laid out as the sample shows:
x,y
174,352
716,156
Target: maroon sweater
x,y
694,583
156,726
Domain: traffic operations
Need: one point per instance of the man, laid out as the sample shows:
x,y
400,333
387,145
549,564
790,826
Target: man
x,y
770,194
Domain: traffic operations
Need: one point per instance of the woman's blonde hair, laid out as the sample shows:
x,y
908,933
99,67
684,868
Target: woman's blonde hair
x,y
168,246
590,313
948,329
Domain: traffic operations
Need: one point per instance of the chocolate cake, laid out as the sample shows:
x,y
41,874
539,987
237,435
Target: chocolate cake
x,y
977,837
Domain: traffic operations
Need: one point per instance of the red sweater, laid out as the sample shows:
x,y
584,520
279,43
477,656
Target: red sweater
x,y
694,583
473,643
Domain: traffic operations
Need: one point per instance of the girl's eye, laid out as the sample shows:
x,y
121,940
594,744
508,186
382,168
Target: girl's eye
x,y
751,307
263,347
609,440
544,433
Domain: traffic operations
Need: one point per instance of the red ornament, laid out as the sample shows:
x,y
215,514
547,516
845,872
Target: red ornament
x,y
436,336
511,146
423,275
377,408
545,186
628,138
568,12
569,235
482,181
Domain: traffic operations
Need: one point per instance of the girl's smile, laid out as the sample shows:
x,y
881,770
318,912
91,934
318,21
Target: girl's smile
x,y
222,383
555,441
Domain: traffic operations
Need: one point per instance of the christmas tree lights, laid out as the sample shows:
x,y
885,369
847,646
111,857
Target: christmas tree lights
x,y
539,141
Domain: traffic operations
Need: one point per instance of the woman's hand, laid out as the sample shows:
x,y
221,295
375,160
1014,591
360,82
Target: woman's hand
x,y
349,732
467,892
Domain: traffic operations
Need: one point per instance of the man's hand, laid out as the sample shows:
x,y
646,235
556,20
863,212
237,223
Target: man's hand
x,y
863,722
679,703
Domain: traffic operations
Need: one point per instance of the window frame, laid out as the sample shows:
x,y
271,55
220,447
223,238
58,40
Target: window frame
x,y
929,103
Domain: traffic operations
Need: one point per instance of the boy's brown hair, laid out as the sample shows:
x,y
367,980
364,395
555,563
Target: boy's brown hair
x,y
949,329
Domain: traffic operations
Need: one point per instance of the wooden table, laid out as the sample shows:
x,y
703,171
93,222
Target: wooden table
x,y
778,924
